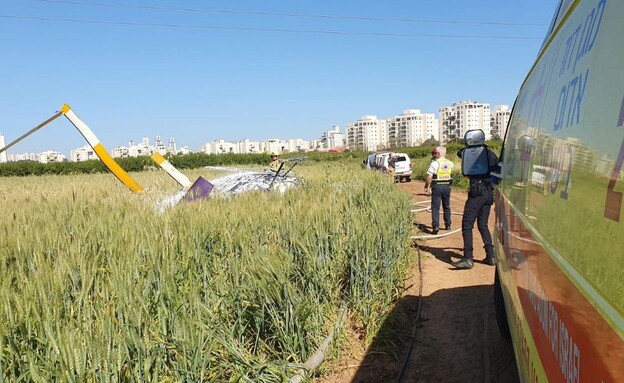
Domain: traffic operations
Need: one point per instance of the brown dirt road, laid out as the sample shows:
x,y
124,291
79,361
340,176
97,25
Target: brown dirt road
x,y
457,338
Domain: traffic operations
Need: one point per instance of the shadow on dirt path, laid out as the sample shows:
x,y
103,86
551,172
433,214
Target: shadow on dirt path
x,y
457,338
444,254
449,346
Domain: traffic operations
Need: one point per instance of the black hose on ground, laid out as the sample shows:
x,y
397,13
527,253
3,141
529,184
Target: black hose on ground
x,y
417,324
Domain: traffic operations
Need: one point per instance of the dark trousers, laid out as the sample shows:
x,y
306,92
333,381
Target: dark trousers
x,y
440,194
478,209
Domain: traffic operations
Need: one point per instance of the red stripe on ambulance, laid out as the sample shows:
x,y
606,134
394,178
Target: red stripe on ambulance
x,y
574,341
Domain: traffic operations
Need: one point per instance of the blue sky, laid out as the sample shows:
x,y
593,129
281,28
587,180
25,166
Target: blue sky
x,y
236,69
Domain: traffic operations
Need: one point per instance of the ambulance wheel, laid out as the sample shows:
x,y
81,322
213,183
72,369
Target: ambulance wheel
x,y
499,307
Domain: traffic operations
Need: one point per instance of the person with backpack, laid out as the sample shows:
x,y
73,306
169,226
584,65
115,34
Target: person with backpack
x,y
477,208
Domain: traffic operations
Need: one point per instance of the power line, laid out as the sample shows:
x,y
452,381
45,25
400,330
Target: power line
x,y
308,31
306,15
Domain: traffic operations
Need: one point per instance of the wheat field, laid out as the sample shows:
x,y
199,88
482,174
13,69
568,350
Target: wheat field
x,y
97,285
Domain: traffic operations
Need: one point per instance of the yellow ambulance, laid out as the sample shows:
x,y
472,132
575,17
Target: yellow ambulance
x,y
559,234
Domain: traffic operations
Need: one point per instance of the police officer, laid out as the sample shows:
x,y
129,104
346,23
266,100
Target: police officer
x,y
439,178
477,208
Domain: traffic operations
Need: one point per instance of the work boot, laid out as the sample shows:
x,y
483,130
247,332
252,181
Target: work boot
x,y
435,230
447,227
489,256
464,263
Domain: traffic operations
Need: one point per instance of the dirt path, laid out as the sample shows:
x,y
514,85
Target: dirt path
x,y
457,339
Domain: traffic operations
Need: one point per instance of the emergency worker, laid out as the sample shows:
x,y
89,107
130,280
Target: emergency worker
x,y
392,166
477,208
274,165
439,178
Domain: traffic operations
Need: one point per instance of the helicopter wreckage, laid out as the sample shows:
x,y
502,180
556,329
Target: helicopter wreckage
x,y
239,181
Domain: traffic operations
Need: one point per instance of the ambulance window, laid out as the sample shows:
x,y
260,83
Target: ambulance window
x,y
560,12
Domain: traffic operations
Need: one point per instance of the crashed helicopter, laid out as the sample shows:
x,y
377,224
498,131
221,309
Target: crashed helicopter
x,y
239,181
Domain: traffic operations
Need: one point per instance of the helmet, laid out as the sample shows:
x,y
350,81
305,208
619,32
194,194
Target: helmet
x,y
273,154
474,137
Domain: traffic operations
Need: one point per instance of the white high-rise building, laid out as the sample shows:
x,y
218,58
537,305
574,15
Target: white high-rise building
x,y
248,146
332,139
50,156
3,155
460,117
159,147
120,152
500,119
367,133
22,157
83,154
412,128
220,147
274,145
297,145
172,145
145,149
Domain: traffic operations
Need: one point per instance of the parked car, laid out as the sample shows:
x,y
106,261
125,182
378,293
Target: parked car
x,y
402,167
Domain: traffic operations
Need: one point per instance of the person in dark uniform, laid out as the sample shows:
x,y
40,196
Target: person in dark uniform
x,y
439,177
477,208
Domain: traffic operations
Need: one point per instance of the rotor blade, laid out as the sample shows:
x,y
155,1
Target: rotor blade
x,y
31,131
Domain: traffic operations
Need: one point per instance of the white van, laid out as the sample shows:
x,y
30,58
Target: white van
x,y
381,160
402,167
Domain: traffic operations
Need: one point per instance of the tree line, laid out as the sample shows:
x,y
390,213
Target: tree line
x,y
137,164
198,160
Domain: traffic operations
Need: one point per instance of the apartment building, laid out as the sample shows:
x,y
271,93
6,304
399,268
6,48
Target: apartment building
x,y
11,157
460,117
85,153
412,128
220,147
145,148
43,157
247,146
297,145
51,156
499,121
367,133
332,139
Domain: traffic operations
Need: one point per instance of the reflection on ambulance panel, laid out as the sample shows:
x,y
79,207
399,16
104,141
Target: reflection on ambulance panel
x,y
543,175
